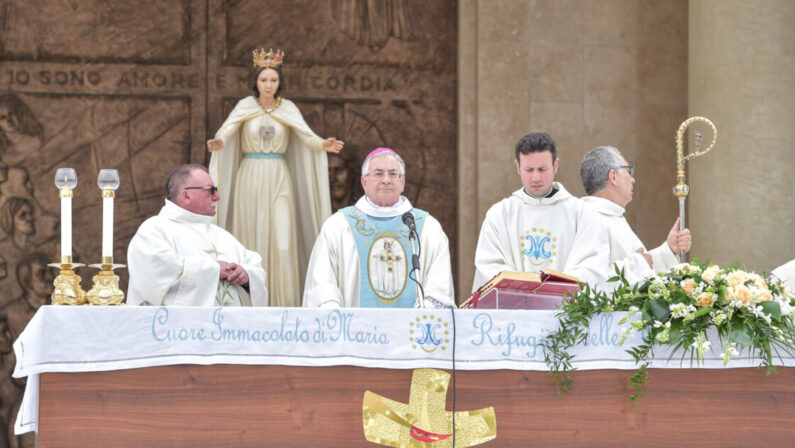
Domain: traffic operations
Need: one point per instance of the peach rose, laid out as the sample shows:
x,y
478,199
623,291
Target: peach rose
x,y
736,278
710,273
758,280
688,285
742,294
705,299
763,295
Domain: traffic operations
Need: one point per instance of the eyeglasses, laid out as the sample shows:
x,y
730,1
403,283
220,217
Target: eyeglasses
x,y
380,174
630,168
212,189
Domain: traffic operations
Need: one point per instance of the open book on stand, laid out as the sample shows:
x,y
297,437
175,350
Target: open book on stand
x,y
509,290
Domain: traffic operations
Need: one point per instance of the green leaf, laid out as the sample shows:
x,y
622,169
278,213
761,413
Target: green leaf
x,y
741,335
702,311
722,291
644,288
772,309
675,333
659,309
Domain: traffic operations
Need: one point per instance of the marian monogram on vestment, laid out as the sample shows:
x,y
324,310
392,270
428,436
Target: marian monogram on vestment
x,y
538,246
384,254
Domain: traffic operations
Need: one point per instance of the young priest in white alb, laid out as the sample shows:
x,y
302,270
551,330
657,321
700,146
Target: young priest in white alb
x,y
179,257
540,226
362,257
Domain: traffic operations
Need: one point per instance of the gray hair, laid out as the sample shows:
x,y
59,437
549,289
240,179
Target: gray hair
x,y
366,164
178,177
596,166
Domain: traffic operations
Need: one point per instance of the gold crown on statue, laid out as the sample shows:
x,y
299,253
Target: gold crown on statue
x,y
268,59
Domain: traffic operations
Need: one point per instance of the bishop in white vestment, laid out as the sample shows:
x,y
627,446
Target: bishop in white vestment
x,y
608,179
363,255
179,257
541,226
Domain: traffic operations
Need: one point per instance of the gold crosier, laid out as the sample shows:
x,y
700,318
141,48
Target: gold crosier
x,y
681,189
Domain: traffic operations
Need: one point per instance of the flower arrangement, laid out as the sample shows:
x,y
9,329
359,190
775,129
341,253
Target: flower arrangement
x,y
677,308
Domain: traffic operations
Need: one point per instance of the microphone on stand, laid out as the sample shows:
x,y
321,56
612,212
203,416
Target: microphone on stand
x,y
408,220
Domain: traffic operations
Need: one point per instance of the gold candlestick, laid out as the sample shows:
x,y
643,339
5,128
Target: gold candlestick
x,y
106,289
67,289
681,189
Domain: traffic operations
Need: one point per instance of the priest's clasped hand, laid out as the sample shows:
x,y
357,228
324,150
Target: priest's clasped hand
x,y
233,273
679,241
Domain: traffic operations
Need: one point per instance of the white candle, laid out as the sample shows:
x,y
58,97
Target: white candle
x,y
108,182
66,225
107,225
66,181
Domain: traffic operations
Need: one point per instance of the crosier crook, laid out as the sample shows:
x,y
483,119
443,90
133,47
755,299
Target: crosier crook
x,y
681,189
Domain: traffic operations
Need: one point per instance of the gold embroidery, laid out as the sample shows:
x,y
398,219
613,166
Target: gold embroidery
x,y
360,226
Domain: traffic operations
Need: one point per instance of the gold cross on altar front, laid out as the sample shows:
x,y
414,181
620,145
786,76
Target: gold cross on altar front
x,y
423,422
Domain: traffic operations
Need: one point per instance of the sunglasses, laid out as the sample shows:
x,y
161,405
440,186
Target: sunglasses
x,y
212,189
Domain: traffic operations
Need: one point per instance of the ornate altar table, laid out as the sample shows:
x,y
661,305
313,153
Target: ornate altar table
x,y
134,376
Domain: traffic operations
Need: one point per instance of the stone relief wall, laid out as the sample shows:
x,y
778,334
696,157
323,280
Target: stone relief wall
x,y
140,86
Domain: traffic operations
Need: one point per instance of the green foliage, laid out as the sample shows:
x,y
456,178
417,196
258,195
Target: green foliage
x,y
677,308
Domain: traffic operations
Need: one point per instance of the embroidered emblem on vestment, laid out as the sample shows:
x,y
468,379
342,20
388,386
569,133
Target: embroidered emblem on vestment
x,y
538,246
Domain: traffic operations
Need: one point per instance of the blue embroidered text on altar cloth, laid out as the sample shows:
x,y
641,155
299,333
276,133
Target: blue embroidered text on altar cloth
x,y
493,339
337,326
511,338
508,335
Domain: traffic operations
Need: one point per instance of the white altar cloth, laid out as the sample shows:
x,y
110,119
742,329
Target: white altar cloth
x,y
82,339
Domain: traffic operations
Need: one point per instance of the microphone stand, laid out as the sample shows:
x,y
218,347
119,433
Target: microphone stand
x,y
416,250
415,263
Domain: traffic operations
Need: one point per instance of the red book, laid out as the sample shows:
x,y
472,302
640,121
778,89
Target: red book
x,y
523,290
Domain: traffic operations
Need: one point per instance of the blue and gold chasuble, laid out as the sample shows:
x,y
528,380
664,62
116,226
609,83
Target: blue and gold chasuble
x,y
384,258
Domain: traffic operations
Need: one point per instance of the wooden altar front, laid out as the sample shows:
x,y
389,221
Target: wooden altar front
x,y
273,405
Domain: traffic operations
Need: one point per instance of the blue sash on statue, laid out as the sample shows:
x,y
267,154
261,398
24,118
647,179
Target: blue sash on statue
x,y
384,258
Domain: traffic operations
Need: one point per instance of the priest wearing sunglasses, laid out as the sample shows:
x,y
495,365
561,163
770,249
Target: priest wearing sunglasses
x,y
179,257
